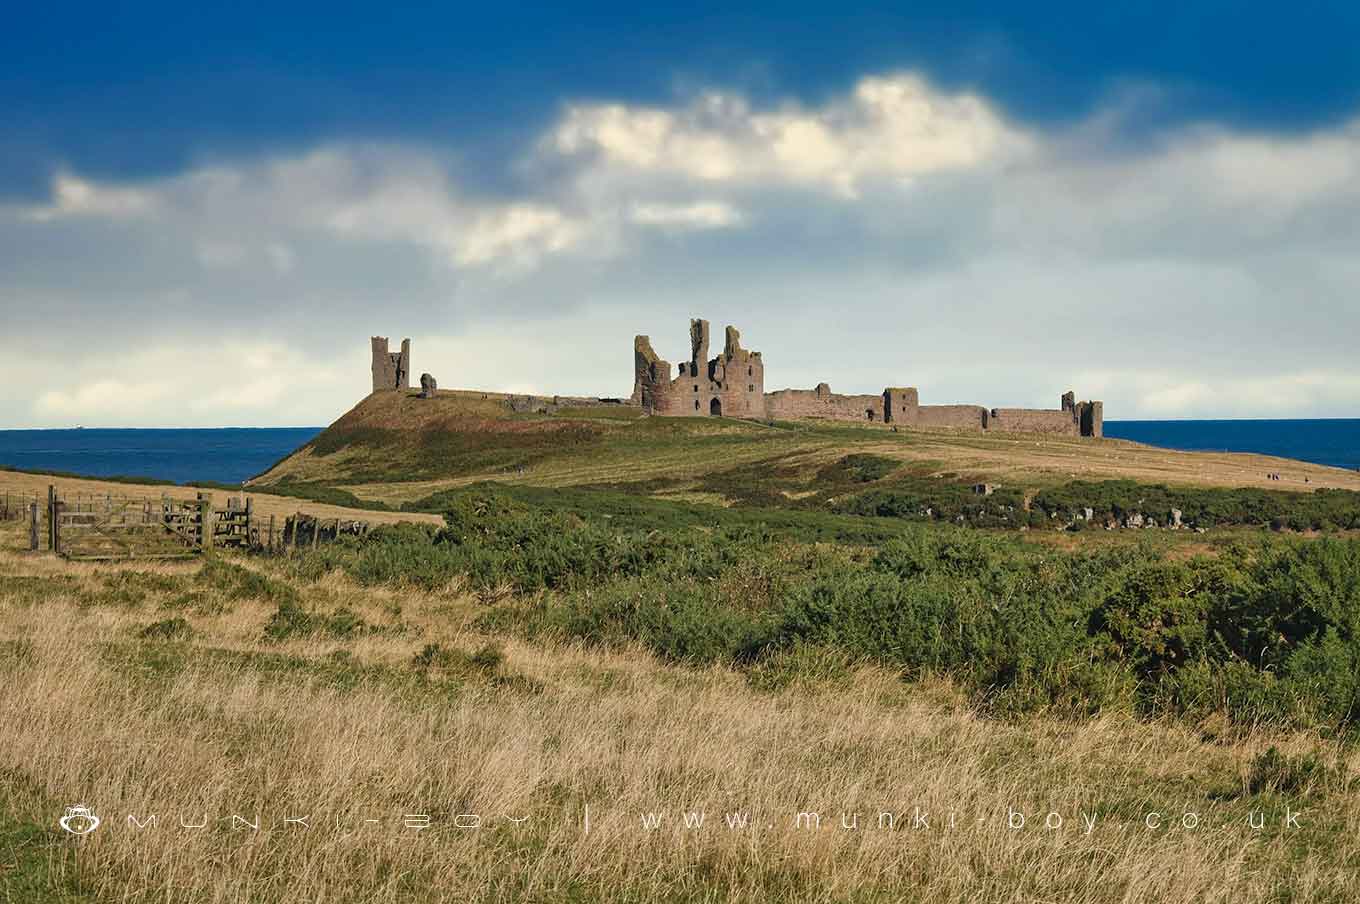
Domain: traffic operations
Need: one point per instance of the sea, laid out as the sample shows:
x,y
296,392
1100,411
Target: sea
x,y
233,454
221,455
1324,441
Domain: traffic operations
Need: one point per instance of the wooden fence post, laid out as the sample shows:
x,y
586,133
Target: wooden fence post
x,y
297,528
33,528
205,523
271,532
250,516
51,518
316,532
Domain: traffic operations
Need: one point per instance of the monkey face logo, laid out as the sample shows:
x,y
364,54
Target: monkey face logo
x,y
79,820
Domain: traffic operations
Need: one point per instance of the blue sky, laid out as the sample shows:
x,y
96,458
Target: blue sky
x,y
133,90
1155,204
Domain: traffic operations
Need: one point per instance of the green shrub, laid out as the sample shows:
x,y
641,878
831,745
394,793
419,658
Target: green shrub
x,y
236,582
1280,773
167,629
802,665
1265,632
679,621
1154,615
863,467
487,659
290,620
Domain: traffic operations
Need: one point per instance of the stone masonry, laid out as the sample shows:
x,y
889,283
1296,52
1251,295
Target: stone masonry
x,y
391,370
733,385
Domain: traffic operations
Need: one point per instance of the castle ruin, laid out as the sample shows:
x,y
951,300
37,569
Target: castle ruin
x,y
391,370
732,384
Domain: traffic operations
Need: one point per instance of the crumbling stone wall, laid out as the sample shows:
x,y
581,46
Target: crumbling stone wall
x,y
1033,420
532,404
823,403
1072,419
391,370
732,384
959,417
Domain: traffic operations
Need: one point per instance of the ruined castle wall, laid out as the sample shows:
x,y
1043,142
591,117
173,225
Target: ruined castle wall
x,y
964,417
822,403
1033,420
533,404
737,388
733,385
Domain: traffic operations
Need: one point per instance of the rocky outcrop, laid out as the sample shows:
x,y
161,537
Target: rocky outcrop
x,y
427,386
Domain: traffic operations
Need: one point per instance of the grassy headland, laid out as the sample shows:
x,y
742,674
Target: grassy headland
x,y
756,624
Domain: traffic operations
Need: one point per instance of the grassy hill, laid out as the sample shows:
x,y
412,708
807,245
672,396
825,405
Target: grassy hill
x,y
397,450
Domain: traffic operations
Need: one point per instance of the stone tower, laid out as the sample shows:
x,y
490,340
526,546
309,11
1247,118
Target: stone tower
x,y
391,370
698,341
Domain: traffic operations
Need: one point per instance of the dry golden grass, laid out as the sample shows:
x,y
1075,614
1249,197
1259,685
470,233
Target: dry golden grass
x,y
347,730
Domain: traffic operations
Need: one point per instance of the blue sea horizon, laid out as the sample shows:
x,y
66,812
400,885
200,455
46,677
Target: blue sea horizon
x,y
1325,441
233,454
175,454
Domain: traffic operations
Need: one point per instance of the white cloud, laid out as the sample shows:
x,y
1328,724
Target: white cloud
x,y
894,127
102,398
1271,395
244,383
697,215
518,231
76,197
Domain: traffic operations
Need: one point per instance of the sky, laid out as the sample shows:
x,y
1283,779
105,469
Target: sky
x,y
204,215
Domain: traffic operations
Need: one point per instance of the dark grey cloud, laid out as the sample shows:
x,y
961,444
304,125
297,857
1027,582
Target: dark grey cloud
x,y
895,234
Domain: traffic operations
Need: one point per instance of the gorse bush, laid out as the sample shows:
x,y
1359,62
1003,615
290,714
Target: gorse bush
x,y
1264,631
290,621
939,500
861,467
1300,775
1323,509
167,629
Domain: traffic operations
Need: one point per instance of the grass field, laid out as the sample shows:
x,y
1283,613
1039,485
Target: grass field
x,y
621,659
423,712
395,448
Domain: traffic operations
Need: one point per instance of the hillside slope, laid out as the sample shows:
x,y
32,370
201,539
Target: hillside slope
x,y
397,448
